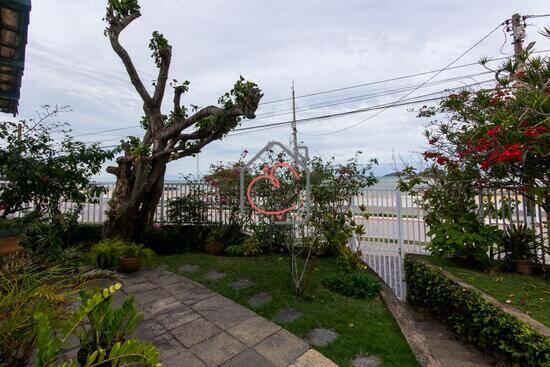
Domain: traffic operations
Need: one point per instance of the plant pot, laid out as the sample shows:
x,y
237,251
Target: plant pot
x,y
523,267
10,245
129,264
214,248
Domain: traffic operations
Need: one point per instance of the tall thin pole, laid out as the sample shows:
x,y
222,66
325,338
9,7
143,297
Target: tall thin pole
x,y
294,129
518,32
19,132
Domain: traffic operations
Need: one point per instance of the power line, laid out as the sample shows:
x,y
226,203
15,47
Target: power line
x,y
420,85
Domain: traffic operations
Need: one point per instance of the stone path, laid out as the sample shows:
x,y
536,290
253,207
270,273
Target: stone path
x,y
193,326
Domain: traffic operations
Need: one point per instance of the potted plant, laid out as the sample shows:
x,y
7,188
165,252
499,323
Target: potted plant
x,y
519,244
11,235
116,253
214,244
132,256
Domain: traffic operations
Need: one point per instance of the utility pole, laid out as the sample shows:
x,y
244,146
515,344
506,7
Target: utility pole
x,y
19,132
518,32
294,130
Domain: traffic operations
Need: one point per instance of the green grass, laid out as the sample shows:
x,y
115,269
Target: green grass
x,y
529,294
363,326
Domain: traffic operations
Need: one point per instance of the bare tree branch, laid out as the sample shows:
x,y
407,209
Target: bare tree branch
x,y
114,32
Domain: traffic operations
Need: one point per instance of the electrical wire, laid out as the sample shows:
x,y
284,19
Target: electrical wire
x,y
420,85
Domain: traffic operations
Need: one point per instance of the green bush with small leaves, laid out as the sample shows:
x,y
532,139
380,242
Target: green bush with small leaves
x,y
359,284
250,247
474,319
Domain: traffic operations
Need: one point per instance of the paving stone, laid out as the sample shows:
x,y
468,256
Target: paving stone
x,y
167,345
176,318
188,268
249,358
287,315
321,337
133,278
254,330
241,284
161,306
195,295
195,331
179,287
282,348
218,349
366,361
139,287
215,303
183,359
259,299
148,329
214,275
143,298
228,317
167,279
312,358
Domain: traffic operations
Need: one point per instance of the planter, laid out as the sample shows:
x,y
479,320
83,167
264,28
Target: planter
x,y
129,264
10,245
214,248
523,266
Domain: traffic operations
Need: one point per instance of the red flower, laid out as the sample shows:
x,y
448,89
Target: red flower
x,y
519,74
535,131
432,141
442,160
493,131
430,155
45,178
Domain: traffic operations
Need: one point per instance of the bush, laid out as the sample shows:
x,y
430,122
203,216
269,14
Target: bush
x,y
106,254
188,209
176,239
359,284
250,247
84,234
473,319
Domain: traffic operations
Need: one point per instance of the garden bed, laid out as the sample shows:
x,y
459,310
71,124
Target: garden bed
x,y
530,294
476,318
362,326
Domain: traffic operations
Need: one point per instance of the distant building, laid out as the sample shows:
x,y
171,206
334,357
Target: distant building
x,y
14,24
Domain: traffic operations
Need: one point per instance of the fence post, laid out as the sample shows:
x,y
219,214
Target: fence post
x,y
162,204
401,259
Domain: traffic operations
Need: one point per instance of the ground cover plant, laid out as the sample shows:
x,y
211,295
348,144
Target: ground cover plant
x,y
473,319
530,294
364,326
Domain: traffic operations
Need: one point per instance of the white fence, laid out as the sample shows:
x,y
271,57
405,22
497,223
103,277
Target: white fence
x,y
395,226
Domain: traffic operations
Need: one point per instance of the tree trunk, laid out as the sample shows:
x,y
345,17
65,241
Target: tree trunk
x,y
133,205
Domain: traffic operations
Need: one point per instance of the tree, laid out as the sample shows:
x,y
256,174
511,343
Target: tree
x,y
41,173
140,169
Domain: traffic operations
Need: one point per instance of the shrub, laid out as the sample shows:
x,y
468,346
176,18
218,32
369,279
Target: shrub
x,y
29,285
519,243
188,209
359,284
473,319
106,254
103,338
176,239
250,247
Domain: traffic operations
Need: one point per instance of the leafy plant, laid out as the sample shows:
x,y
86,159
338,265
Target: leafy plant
x,y
107,253
473,319
250,247
188,209
41,173
103,342
30,284
357,284
519,242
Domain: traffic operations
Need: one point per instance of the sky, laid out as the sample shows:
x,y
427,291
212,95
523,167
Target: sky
x,y
317,45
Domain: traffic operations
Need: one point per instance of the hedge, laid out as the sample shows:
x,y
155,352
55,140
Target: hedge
x,y
473,319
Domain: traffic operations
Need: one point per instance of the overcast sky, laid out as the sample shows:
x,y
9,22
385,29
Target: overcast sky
x,y
320,45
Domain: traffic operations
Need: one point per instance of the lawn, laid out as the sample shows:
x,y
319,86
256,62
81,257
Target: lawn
x,y
363,326
529,294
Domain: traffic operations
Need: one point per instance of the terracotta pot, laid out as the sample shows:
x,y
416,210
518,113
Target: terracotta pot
x,y
129,264
214,248
523,267
10,245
